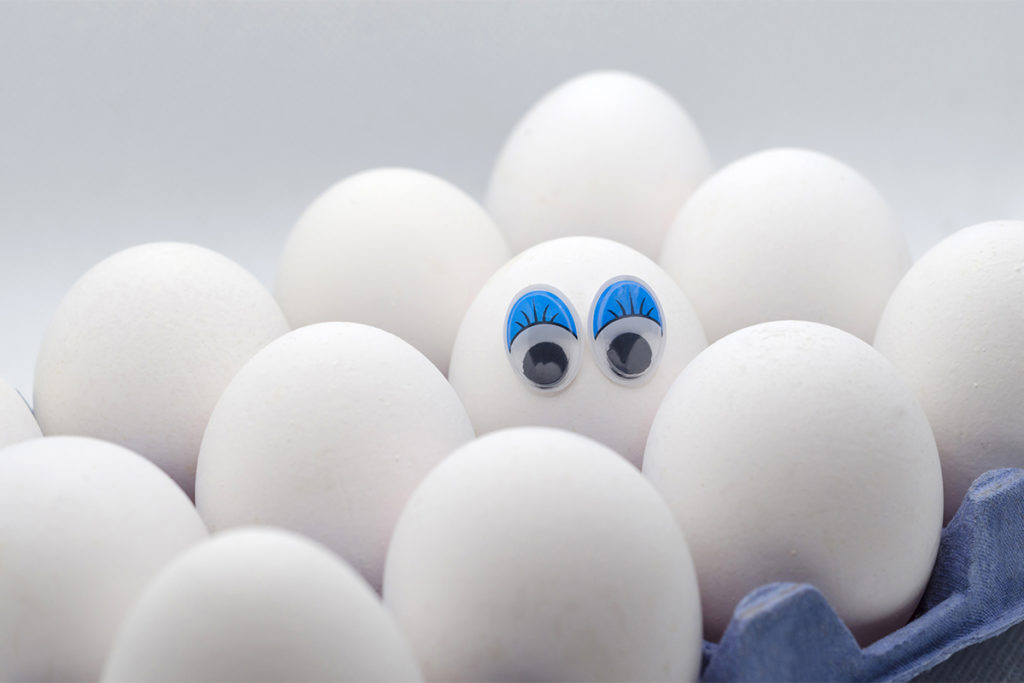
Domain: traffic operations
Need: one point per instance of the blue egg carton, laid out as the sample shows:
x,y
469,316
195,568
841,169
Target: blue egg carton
x,y
788,631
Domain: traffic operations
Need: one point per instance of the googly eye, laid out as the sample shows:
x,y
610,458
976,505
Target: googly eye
x,y
541,339
628,330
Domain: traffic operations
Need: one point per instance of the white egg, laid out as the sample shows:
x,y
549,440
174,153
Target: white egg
x,y
142,345
327,431
791,451
954,329
84,524
259,604
606,386
607,154
395,248
16,420
786,234
535,554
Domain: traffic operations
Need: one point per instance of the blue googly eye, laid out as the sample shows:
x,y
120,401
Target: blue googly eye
x,y
628,330
541,340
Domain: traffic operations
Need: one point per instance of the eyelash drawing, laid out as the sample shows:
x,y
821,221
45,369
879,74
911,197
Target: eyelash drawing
x,y
633,312
542,318
538,307
619,295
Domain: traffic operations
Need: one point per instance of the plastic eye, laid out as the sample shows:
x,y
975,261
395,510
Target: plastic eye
x,y
628,330
541,339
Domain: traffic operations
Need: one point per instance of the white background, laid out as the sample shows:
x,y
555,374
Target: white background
x,y
217,123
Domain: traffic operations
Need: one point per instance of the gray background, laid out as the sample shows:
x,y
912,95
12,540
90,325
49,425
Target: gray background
x,y
217,123
122,123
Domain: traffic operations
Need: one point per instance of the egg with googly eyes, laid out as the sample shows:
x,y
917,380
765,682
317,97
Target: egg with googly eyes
x,y
579,333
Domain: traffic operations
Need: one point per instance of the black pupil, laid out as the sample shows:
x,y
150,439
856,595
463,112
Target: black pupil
x,y
629,355
545,363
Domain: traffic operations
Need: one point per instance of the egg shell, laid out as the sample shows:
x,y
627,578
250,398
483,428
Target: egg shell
x,y
537,554
593,405
786,234
143,344
326,432
954,329
608,154
792,451
259,604
84,524
16,420
395,248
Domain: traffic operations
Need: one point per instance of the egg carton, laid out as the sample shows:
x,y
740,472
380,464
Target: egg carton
x,y
788,631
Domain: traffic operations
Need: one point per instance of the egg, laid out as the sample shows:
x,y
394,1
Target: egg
x,y
258,604
395,248
579,333
327,431
792,451
953,329
84,524
16,420
608,154
143,344
786,234
535,554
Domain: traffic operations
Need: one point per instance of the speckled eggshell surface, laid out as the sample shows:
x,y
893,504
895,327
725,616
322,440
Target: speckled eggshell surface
x,y
786,234
607,154
326,432
142,346
16,420
954,329
792,451
259,604
84,524
591,404
536,554
395,248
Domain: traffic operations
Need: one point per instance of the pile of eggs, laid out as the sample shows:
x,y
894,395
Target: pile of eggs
x,y
559,437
